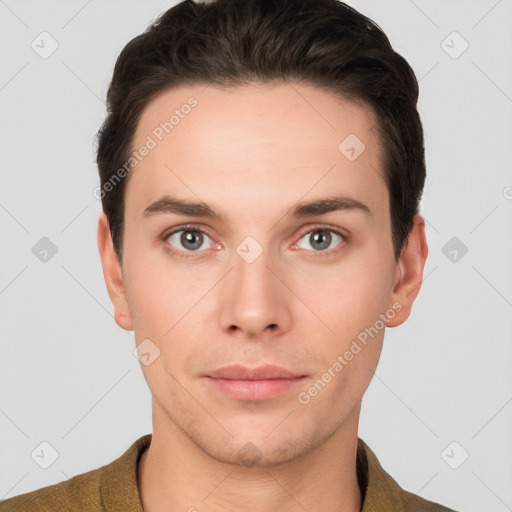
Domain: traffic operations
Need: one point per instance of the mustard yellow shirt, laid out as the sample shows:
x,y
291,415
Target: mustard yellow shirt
x,y
114,488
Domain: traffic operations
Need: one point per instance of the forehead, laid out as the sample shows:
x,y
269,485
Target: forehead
x,y
280,141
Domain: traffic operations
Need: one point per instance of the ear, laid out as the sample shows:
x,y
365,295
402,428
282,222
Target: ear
x,y
409,272
112,273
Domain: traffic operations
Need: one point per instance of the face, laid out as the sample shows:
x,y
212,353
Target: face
x,y
257,232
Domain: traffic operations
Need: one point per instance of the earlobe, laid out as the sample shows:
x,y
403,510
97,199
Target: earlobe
x,y
409,272
112,273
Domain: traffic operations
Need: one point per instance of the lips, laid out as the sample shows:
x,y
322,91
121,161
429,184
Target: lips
x,y
253,384
238,372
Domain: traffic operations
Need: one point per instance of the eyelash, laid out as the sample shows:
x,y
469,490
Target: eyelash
x,y
318,227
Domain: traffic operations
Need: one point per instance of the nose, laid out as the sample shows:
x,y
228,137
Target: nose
x,y
253,300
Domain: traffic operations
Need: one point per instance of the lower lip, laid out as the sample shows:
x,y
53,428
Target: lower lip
x,y
254,390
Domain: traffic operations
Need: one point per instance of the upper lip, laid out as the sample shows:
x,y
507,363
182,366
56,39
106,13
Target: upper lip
x,y
239,372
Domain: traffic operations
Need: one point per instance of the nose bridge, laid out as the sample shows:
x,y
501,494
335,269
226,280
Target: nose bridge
x,y
254,300
252,276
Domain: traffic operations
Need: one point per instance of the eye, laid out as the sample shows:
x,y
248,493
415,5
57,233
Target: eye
x,y
320,240
189,240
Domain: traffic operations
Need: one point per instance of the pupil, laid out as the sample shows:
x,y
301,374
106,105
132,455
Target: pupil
x,y
323,238
192,239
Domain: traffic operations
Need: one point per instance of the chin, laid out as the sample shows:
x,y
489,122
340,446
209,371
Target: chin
x,y
251,449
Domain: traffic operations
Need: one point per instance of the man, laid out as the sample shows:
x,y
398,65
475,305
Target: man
x,y
261,169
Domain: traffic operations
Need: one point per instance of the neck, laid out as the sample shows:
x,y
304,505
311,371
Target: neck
x,y
323,479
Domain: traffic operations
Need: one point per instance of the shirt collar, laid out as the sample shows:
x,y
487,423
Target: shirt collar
x,y
380,492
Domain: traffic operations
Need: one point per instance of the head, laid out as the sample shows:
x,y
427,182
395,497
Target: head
x,y
263,114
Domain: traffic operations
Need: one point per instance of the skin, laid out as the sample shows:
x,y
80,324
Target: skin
x,y
241,152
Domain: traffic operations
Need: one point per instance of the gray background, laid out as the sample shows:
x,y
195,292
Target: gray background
x,y
68,374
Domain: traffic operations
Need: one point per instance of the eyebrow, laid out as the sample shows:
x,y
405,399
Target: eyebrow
x,y
187,208
321,206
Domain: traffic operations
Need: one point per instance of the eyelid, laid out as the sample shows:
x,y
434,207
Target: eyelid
x,y
186,227
323,227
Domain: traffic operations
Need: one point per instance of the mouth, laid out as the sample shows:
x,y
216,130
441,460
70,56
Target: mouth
x,y
256,384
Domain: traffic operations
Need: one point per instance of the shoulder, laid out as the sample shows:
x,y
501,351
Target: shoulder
x,y
416,503
78,493
110,487
382,492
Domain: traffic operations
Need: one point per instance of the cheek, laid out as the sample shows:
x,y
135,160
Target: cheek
x,y
159,293
348,298
167,306
149,304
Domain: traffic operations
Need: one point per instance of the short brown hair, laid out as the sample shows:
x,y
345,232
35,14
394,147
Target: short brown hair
x,y
324,43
